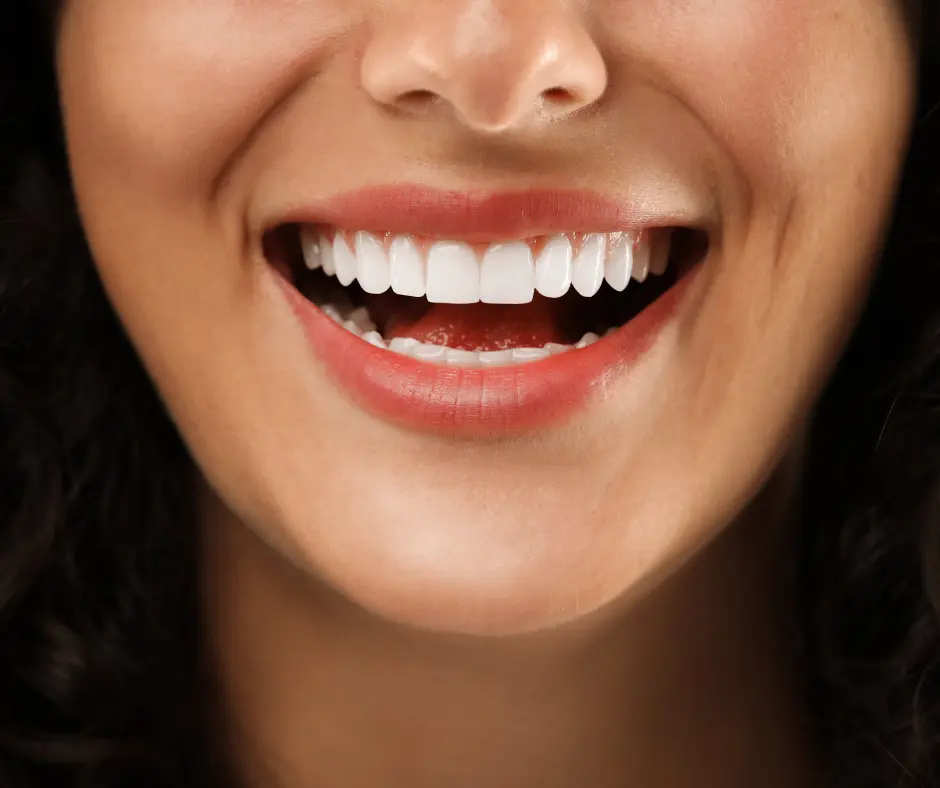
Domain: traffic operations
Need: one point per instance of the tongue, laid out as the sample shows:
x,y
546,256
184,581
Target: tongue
x,y
481,326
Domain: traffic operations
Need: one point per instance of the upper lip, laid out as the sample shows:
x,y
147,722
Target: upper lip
x,y
479,216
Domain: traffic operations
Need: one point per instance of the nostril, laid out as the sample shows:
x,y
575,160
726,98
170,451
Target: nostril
x,y
418,96
412,101
560,100
558,95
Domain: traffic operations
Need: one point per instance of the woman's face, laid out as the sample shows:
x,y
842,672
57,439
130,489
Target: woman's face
x,y
458,155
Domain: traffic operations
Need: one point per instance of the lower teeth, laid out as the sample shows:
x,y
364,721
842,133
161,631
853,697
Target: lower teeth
x,y
358,322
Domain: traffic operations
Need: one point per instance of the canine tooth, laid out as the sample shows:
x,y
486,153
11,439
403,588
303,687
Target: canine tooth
x,y
344,260
349,325
496,358
310,244
375,338
619,265
588,339
507,275
659,252
553,268
555,348
530,353
406,268
588,270
326,256
332,312
425,352
403,345
462,358
360,316
453,274
641,259
372,264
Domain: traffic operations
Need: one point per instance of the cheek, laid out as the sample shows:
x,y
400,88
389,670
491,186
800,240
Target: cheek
x,y
784,86
175,87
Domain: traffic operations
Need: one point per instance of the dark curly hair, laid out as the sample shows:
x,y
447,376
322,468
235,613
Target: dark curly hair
x,y
100,672
102,681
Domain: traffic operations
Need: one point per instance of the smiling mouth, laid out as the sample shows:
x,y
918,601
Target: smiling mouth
x,y
482,313
478,304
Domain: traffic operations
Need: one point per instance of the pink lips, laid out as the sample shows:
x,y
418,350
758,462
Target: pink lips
x,y
427,396
477,216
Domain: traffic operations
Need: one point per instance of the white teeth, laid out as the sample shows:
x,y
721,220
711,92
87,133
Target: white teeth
x,y
332,312
344,260
438,354
357,321
619,266
453,274
553,268
407,268
372,264
360,316
507,275
374,338
530,353
403,344
424,352
495,358
554,348
588,273
461,358
326,256
310,244
641,261
659,253
587,339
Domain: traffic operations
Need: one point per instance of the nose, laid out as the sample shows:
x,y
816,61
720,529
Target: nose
x,y
497,64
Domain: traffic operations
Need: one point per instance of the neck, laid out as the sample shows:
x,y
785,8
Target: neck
x,y
694,684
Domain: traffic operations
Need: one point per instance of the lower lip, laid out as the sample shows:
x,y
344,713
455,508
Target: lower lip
x,y
468,401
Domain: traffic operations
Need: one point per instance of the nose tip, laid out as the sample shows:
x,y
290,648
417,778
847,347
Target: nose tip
x,y
498,64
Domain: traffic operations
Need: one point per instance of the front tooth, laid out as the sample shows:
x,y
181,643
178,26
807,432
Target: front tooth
x,y
462,358
372,268
659,252
344,260
453,274
496,358
619,266
326,256
641,259
310,244
508,274
425,352
553,268
407,272
530,353
588,270
403,345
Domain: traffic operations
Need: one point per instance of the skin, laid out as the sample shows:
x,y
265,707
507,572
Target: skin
x,y
602,603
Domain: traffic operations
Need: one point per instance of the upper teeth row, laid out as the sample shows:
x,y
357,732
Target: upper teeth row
x,y
508,273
